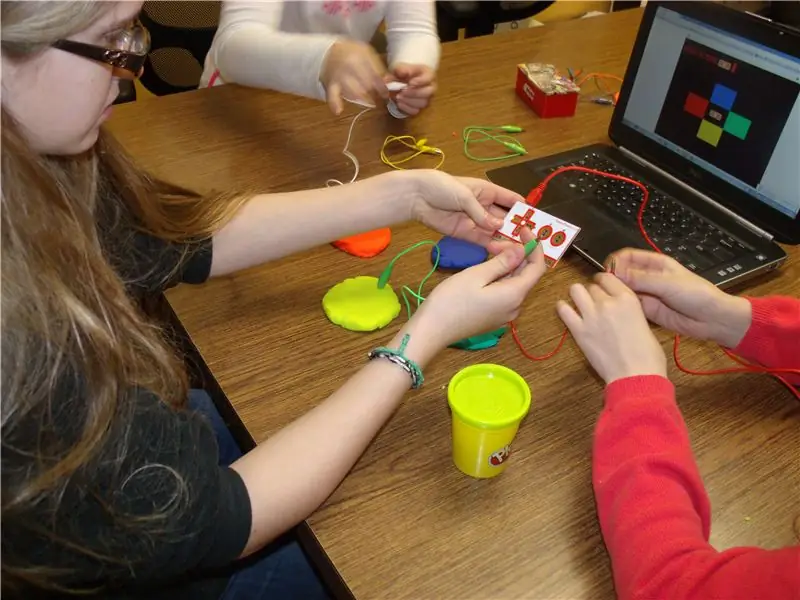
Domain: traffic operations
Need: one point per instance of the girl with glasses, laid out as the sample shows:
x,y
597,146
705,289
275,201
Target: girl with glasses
x,y
113,485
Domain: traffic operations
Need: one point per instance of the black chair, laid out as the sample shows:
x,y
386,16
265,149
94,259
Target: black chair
x,y
181,33
127,92
480,18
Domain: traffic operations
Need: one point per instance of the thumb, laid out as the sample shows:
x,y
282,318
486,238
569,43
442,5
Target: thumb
x,y
501,265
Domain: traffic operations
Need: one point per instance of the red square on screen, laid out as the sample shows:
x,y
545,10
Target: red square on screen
x,y
695,105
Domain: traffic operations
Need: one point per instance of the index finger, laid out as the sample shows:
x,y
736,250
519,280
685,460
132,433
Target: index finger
x,y
423,92
423,78
375,74
612,285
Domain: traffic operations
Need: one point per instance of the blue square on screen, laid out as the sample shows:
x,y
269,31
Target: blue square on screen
x,y
723,96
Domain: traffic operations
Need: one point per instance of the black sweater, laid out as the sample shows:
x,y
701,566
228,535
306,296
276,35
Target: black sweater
x,y
172,457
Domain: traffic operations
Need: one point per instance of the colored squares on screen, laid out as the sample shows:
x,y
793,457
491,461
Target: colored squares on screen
x,y
723,96
716,116
709,133
695,105
737,125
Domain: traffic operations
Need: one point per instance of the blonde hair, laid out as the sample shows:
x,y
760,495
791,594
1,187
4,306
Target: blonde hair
x,y
68,321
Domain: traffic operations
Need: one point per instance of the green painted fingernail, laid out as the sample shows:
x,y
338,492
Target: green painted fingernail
x,y
530,247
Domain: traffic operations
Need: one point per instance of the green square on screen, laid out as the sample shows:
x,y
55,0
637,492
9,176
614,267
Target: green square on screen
x,y
737,125
709,132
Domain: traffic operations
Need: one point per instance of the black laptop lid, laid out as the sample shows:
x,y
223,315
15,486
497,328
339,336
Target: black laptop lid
x,y
712,96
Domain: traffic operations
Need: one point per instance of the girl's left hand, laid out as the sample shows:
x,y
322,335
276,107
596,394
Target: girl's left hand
x,y
421,82
462,207
610,328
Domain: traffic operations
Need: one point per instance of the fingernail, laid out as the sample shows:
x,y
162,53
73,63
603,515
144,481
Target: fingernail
x,y
530,247
611,266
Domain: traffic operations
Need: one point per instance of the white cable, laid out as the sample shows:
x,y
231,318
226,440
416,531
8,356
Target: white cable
x,y
346,150
393,86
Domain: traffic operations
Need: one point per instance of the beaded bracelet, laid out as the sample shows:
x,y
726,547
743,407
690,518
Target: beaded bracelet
x,y
399,358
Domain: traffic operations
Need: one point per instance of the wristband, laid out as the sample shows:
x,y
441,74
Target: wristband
x,y
399,358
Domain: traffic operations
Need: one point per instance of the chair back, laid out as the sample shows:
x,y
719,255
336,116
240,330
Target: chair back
x,y
181,33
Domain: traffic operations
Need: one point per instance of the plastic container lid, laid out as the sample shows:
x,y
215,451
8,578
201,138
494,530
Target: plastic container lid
x,y
489,396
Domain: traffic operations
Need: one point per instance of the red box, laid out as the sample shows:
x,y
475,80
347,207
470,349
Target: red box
x,y
545,105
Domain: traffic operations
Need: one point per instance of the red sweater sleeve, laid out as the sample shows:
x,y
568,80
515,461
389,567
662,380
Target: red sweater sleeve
x,y
655,514
773,339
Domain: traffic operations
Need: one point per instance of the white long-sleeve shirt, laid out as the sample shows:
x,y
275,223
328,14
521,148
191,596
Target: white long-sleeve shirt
x,y
282,45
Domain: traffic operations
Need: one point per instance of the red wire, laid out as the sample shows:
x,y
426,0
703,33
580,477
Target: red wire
x,y
745,368
550,354
538,191
533,199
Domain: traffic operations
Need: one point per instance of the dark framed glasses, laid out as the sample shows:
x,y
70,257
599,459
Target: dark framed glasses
x,y
126,52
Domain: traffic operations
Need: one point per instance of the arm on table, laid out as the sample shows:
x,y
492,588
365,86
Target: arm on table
x,y
251,50
411,34
271,226
773,338
292,473
654,511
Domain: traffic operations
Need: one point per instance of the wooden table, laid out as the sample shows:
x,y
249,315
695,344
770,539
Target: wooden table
x,y
406,523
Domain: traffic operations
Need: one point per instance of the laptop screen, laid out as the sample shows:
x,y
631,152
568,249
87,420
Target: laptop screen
x,y
725,103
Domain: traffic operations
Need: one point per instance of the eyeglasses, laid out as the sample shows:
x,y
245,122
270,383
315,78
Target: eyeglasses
x,y
126,52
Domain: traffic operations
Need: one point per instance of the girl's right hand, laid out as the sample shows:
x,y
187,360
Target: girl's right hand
x,y
481,298
681,301
352,71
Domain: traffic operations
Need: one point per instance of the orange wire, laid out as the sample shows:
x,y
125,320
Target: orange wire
x,y
599,77
533,198
583,78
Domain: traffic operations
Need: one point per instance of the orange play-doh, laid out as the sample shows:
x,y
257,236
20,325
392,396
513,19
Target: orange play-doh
x,y
365,245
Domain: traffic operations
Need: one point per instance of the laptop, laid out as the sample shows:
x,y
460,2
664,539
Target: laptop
x,y
708,118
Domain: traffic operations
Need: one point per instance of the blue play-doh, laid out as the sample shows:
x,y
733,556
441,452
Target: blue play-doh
x,y
480,342
457,254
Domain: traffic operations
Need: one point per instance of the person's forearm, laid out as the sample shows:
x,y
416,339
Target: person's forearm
x,y
250,49
655,514
411,34
293,472
286,62
773,336
271,226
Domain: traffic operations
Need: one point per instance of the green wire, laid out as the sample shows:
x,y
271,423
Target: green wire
x,y
405,290
502,139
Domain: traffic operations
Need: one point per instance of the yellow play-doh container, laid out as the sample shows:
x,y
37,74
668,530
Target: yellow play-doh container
x,y
488,402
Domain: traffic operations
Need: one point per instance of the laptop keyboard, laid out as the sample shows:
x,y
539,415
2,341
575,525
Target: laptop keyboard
x,y
677,230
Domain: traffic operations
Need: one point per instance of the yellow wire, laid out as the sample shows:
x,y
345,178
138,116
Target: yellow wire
x,y
417,147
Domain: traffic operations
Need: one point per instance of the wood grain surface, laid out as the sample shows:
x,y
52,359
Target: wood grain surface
x,y
406,523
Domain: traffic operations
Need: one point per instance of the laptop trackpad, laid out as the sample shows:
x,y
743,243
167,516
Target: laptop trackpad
x,y
600,235
591,221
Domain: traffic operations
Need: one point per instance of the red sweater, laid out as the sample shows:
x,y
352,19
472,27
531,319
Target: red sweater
x,y
654,511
